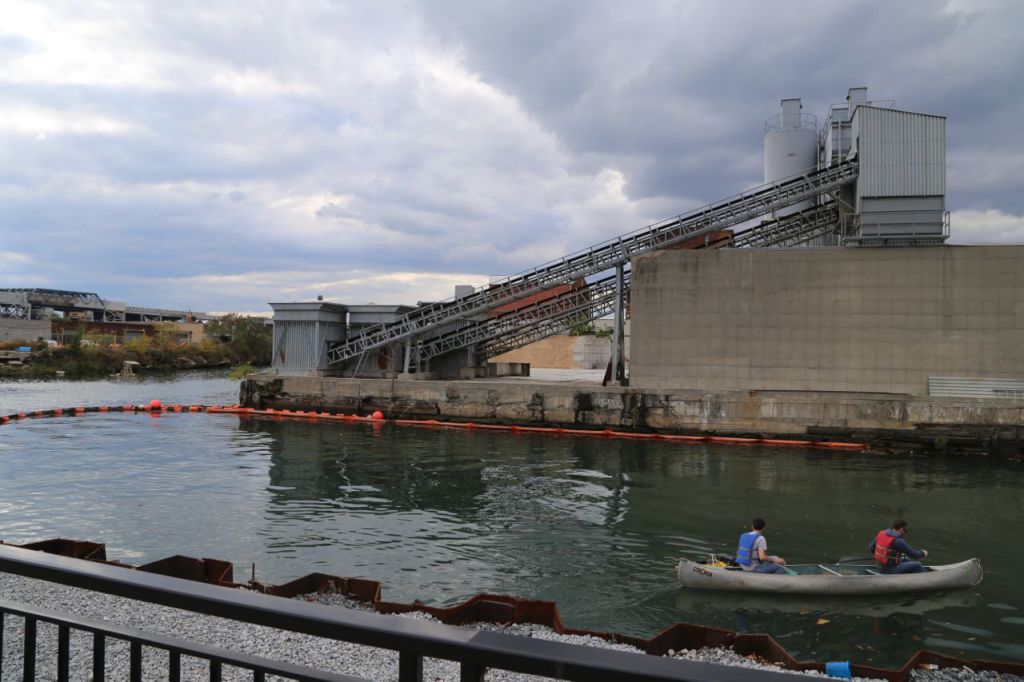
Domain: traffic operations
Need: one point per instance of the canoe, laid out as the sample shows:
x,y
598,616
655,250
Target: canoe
x,y
832,579
867,605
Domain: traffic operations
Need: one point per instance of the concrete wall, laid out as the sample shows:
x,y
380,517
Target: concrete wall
x,y
884,420
842,319
24,330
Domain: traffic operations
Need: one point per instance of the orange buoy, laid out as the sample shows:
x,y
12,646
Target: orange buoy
x,y
155,405
377,415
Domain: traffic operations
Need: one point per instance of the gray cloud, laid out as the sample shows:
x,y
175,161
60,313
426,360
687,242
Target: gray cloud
x,y
221,156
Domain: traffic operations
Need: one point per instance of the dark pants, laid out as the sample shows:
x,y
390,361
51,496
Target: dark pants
x,y
767,567
903,567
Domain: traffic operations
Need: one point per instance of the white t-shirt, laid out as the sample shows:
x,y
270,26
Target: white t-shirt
x,y
759,544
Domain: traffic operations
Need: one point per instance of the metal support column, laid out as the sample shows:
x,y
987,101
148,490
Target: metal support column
x,y
618,364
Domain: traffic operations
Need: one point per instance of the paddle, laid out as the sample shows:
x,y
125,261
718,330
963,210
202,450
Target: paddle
x,y
856,560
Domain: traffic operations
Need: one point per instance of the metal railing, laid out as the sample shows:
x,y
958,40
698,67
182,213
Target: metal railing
x,y
601,257
475,651
785,121
791,230
602,303
579,300
900,228
102,632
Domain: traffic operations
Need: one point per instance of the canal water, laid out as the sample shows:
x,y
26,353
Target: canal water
x,y
594,524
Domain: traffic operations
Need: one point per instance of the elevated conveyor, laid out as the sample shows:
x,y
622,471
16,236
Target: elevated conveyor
x,y
791,230
605,256
583,305
530,323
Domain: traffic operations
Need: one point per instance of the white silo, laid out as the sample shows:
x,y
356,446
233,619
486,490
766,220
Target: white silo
x,y
790,147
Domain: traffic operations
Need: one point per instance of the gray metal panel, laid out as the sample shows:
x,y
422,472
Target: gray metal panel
x,y
958,387
301,346
900,153
309,311
359,315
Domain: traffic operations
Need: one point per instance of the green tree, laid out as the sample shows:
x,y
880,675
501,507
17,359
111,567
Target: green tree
x,y
247,339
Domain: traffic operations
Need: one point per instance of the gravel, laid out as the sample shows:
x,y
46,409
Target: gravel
x,y
279,645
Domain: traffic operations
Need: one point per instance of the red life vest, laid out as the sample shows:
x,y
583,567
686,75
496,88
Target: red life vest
x,y
884,553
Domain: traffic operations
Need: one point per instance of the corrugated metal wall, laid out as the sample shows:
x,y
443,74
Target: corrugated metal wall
x,y
901,153
300,346
954,387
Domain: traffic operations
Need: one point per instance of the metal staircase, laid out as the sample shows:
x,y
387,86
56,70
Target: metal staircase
x,y
599,258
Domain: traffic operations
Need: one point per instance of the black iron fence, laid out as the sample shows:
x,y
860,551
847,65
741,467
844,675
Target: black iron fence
x,y
103,632
474,651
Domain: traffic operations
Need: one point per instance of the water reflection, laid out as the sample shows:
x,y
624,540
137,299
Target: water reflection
x,y
595,524
879,606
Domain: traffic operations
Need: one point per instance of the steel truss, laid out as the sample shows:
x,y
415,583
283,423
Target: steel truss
x,y
598,306
59,297
791,230
599,258
14,311
568,309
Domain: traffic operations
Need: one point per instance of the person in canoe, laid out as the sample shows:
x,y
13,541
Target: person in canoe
x,y
752,553
891,551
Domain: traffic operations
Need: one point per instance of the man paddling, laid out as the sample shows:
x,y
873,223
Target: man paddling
x,y
752,553
890,551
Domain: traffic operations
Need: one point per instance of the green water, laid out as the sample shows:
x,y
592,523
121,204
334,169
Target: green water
x,y
594,524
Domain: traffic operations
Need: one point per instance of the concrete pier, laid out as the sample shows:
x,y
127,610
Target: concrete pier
x,y
885,421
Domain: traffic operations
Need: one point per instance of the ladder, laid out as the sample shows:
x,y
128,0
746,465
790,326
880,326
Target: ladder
x,y
599,258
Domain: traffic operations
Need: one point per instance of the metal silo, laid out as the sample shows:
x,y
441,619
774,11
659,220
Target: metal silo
x,y
790,147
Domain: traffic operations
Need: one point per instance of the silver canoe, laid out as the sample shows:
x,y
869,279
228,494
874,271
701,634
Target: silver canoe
x,y
829,579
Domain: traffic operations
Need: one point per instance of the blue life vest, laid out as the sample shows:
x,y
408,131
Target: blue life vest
x,y
745,552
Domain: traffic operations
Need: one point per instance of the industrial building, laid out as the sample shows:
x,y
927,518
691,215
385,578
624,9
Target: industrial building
x,y
32,314
833,275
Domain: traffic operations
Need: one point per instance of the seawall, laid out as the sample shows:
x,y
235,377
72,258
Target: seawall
x,y
884,421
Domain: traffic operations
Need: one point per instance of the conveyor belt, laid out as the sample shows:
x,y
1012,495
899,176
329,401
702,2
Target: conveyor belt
x,y
599,258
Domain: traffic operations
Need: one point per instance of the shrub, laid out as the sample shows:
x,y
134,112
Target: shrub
x,y
245,339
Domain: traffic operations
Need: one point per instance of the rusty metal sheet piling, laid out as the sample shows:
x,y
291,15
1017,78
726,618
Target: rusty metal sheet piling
x,y
504,609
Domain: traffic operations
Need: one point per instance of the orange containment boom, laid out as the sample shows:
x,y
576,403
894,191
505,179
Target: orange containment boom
x,y
377,417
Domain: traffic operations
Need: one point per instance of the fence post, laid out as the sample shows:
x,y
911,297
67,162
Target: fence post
x,y
410,667
28,663
63,652
99,657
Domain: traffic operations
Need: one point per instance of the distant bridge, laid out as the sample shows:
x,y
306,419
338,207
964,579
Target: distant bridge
x,y
18,304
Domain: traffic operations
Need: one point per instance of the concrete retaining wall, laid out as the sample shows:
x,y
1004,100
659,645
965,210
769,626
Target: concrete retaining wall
x,y
24,330
878,419
828,319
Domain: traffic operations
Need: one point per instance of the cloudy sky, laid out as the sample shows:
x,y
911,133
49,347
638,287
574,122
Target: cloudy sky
x,y
218,155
